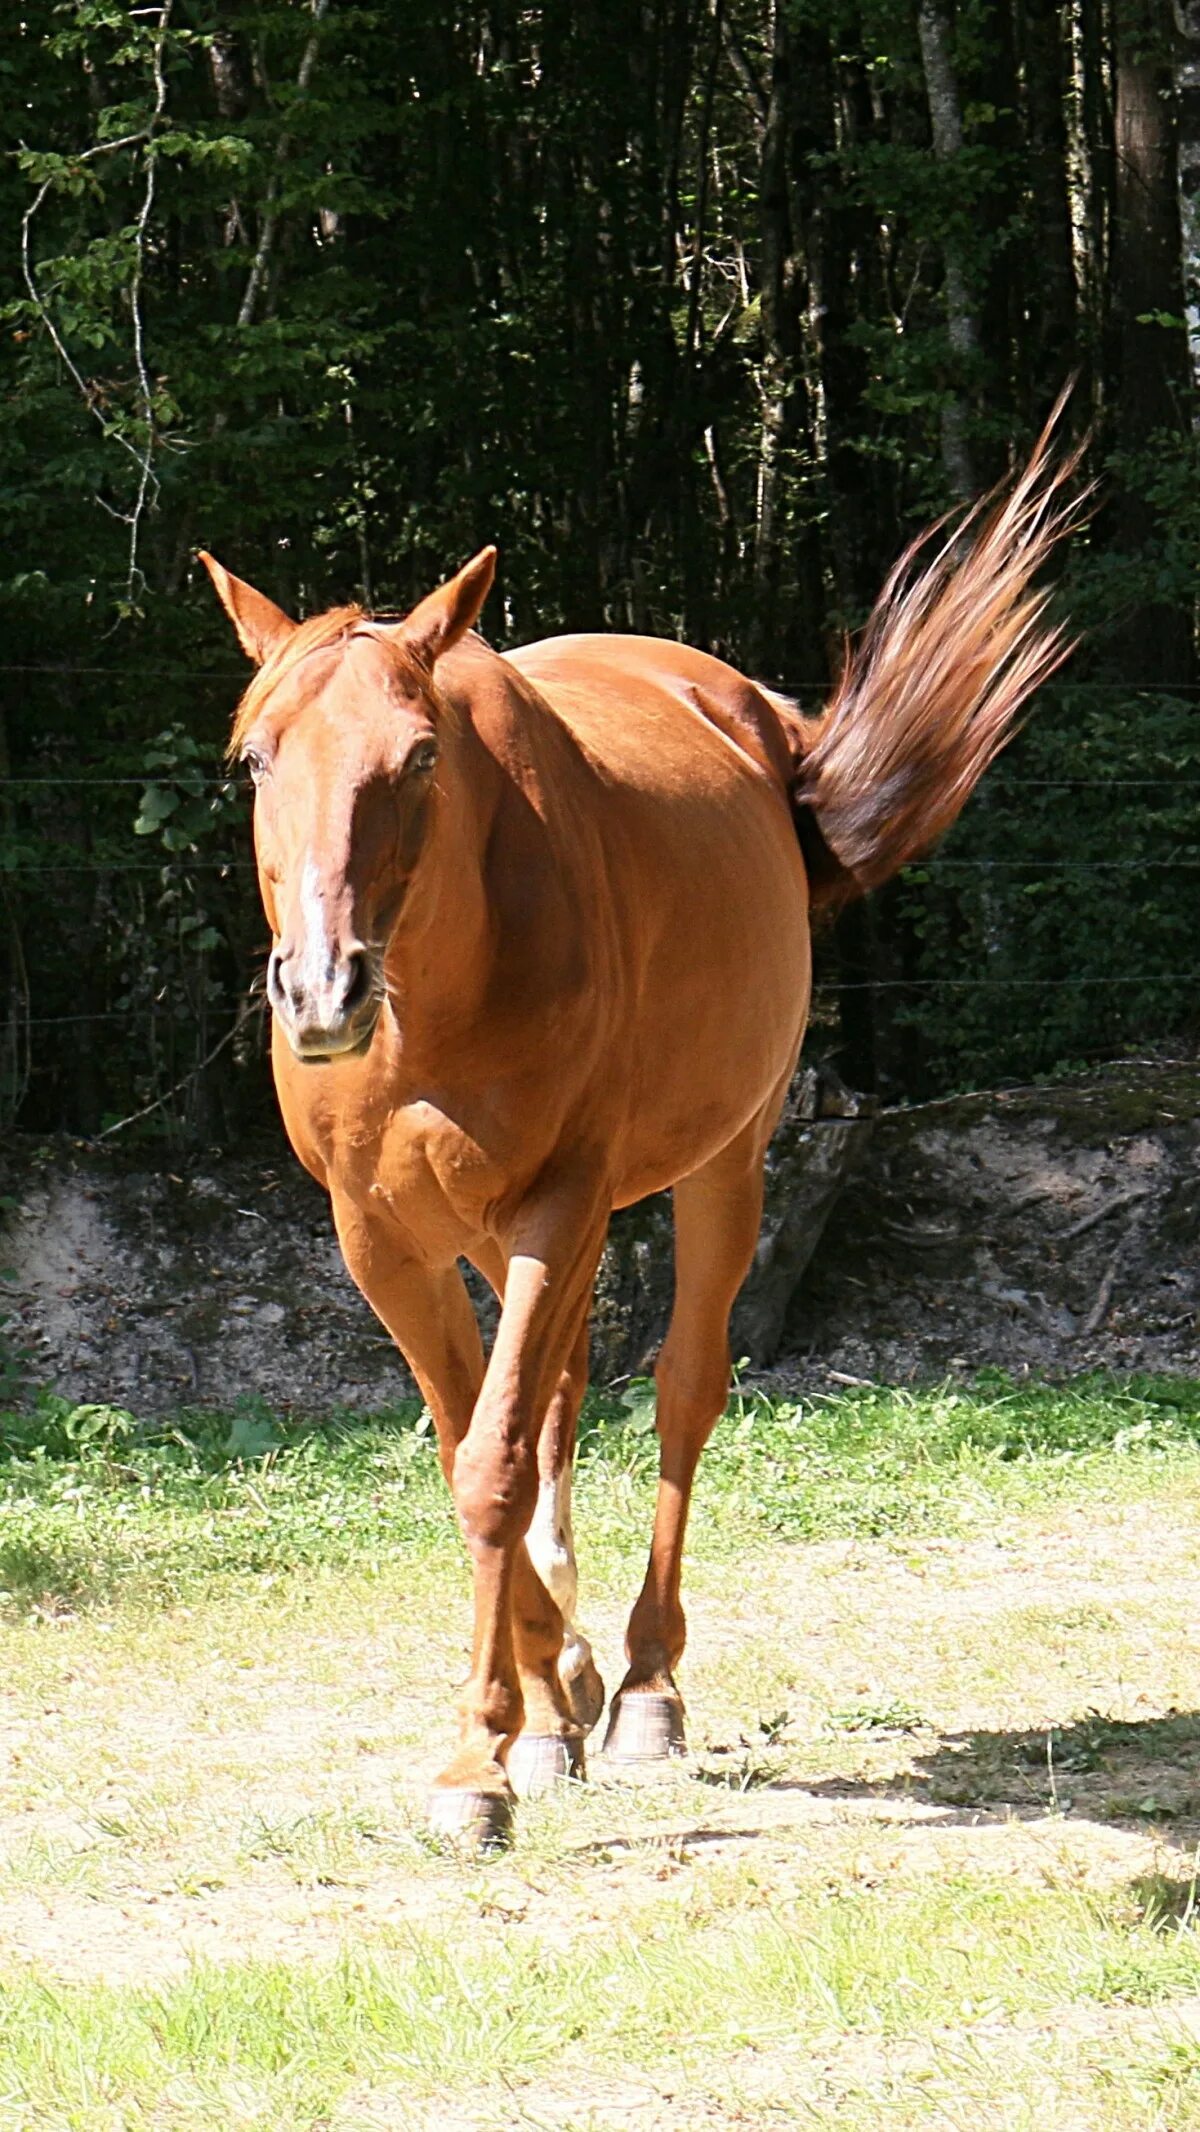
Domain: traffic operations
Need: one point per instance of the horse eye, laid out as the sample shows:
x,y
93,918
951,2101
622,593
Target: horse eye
x,y
255,763
424,758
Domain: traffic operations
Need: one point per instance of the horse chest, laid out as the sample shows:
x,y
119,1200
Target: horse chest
x,y
430,1175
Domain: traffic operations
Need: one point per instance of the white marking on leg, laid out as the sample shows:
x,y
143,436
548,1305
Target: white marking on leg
x,y
551,1544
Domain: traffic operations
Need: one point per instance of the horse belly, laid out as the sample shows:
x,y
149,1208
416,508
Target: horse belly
x,y
723,1009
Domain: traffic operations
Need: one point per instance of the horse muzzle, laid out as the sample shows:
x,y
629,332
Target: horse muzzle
x,y
330,1016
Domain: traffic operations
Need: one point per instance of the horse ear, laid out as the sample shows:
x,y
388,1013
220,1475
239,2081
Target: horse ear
x,y
261,626
447,614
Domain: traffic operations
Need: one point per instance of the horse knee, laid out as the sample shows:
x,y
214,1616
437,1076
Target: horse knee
x,y
495,1488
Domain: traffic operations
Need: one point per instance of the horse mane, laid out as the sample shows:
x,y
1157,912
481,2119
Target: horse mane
x,y
321,632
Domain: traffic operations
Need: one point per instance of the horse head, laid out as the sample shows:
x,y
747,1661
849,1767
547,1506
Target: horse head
x,y
341,730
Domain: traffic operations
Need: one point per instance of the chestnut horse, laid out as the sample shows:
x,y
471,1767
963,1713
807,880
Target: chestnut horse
x,y
540,933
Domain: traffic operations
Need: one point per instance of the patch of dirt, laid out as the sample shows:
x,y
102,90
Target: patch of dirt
x,y
274,1809
1050,1230
158,1288
1044,1231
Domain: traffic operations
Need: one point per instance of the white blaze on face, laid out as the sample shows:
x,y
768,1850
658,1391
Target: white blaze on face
x,y
313,954
317,962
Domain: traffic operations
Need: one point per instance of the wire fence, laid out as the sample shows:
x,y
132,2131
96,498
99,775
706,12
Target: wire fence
x,y
232,783
230,1016
129,676
169,1013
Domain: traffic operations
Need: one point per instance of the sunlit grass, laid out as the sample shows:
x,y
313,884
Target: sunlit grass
x,y
102,1511
228,1650
425,2012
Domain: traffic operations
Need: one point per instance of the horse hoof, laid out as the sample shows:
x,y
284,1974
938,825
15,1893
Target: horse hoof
x,y
538,1761
645,1728
475,1820
585,1694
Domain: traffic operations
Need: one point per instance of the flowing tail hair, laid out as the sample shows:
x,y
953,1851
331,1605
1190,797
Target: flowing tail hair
x,y
934,687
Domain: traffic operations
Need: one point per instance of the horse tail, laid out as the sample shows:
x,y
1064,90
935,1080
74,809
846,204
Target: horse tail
x,y
934,687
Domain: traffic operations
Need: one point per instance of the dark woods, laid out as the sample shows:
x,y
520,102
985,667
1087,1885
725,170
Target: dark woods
x,y
700,308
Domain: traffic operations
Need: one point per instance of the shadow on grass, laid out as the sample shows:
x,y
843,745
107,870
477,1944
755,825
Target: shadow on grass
x,y
1133,1773
1167,1904
1142,1775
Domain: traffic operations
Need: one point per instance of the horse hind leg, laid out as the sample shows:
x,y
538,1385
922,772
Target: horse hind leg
x,y
551,1539
561,1711
717,1214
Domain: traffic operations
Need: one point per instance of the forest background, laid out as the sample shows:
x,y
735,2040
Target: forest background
x,y
700,308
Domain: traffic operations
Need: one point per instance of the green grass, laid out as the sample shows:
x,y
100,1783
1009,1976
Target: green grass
x,y
934,1865
95,1507
431,2012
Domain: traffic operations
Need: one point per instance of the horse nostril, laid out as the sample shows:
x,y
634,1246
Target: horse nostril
x,y
284,990
356,984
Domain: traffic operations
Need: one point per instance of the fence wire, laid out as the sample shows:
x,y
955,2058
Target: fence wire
x,y
175,867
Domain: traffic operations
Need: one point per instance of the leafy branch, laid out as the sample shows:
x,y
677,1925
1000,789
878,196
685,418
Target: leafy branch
x,y
140,450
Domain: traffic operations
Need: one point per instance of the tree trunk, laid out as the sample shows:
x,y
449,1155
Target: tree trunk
x,y
962,323
1052,320
779,381
1149,336
785,638
1187,95
992,86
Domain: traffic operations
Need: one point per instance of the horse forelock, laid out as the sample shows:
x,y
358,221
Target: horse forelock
x,y
322,632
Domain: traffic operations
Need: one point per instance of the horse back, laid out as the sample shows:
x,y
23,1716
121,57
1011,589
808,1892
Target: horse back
x,y
643,703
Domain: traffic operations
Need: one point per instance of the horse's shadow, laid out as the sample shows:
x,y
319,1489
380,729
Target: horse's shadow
x,y
1131,1773
1135,1774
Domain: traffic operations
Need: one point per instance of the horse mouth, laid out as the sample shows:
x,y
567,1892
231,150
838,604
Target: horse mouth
x,y
326,1052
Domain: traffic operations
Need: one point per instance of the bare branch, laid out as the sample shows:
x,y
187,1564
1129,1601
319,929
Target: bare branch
x,y
46,317
143,459
146,477
271,216
246,1013
740,61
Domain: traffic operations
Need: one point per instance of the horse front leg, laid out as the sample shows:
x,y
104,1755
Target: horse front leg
x,y
552,1251
428,1313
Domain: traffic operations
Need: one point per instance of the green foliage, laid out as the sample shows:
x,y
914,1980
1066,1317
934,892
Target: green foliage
x,y
92,1502
1065,901
893,1461
344,297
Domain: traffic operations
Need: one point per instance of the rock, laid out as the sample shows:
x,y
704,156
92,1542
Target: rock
x,y
1037,1184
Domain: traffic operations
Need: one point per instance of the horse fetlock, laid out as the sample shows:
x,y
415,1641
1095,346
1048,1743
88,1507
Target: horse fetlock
x,y
654,1644
490,1713
546,1706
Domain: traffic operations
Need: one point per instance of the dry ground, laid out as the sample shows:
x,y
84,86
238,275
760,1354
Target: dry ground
x,y
930,1862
